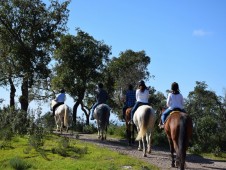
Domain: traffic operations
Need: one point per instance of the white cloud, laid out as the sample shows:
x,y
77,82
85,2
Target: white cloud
x,y
201,33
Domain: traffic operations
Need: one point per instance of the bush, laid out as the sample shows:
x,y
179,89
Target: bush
x,y
18,164
89,129
117,130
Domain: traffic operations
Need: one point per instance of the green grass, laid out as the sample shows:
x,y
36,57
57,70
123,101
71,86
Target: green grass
x,y
66,154
222,156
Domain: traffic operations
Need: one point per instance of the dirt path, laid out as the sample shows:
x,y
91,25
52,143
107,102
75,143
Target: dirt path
x,y
158,157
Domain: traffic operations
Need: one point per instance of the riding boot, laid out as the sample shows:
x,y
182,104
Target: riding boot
x,y
161,125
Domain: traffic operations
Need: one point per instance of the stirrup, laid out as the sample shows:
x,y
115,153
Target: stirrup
x,y
161,126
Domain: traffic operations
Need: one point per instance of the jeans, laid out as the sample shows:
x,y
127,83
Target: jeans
x,y
165,114
93,108
137,104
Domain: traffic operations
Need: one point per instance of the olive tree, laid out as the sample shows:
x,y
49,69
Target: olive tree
x,y
81,60
31,30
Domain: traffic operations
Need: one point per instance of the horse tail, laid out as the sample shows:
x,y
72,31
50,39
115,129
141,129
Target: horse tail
x,y
144,124
182,139
66,115
103,116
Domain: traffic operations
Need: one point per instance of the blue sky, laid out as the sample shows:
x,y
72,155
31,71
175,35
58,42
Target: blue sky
x,y
186,40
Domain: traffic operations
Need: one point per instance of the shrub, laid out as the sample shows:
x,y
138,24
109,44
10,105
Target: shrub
x,y
18,164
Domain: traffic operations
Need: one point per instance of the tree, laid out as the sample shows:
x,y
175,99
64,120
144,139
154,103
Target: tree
x,y
7,69
129,68
31,30
206,109
81,61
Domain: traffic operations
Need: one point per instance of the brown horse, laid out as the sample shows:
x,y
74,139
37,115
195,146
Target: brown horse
x,y
178,128
129,127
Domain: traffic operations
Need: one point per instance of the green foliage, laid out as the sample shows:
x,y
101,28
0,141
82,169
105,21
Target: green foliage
x,y
116,130
66,148
84,59
15,121
159,138
89,129
19,164
5,137
29,32
207,112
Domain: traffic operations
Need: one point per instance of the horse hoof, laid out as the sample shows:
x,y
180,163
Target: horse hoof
x,y
139,149
145,155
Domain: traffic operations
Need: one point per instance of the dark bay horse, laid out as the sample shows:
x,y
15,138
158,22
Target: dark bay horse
x,y
144,119
129,127
178,128
102,115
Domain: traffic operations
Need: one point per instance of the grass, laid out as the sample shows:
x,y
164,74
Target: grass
x,y
65,154
222,156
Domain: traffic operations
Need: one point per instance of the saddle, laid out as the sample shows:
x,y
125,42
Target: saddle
x,y
175,110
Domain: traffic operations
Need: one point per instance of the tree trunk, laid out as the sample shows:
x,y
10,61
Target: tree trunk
x,y
24,97
12,93
75,107
79,101
86,113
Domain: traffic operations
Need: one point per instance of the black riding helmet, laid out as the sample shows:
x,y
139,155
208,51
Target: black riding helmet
x,y
175,87
62,91
100,85
141,83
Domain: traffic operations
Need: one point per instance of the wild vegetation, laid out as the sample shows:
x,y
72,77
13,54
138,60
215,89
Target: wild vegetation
x,y
35,49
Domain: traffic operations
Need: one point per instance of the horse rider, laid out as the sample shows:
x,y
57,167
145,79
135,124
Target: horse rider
x,y
130,100
174,101
101,97
60,99
142,96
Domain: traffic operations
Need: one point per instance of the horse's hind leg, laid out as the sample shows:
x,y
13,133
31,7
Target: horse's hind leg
x,y
172,152
144,148
148,139
139,145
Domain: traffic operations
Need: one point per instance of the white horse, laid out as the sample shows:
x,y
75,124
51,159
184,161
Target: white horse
x,y
144,119
102,115
61,116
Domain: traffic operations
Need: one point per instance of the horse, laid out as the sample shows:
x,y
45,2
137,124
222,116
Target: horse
x,y
102,115
61,116
129,127
144,119
178,128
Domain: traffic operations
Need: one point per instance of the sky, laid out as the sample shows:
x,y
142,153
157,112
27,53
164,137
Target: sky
x,y
186,40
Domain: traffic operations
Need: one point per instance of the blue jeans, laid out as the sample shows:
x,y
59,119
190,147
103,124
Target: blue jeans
x,y
165,114
137,104
93,108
